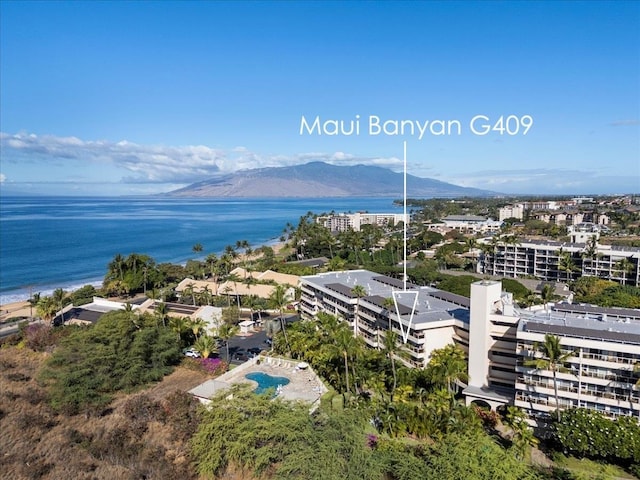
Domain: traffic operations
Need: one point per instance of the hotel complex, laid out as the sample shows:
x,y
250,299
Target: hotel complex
x,y
500,340
542,259
353,221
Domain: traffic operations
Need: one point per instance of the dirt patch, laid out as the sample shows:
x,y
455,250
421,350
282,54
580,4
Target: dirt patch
x,y
141,435
181,379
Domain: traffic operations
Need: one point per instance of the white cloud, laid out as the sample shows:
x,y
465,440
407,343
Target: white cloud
x,y
546,181
165,164
625,123
3,177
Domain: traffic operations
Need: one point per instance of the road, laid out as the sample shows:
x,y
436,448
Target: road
x,y
244,342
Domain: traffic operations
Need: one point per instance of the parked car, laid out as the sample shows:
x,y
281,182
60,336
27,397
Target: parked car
x,y
254,351
192,353
241,355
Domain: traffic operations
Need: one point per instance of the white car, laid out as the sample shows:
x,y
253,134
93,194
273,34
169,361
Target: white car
x,y
192,352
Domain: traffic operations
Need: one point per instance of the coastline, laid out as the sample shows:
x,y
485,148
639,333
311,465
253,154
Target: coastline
x,y
15,309
17,300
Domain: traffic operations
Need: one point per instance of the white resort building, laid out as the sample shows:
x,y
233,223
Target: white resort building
x,y
603,346
438,319
499,338
542,259
353,221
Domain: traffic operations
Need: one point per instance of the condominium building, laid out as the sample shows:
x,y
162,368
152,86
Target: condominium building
x,y
471,223
426,318
560,261
603,346
353,221
501,340
511,211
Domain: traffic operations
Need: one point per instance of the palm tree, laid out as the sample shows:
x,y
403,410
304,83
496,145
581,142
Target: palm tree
x,y
566,263
33,302
552,358
227,291
590,251
523,436
626,266
197,325
212,262
390,349
279,299
235,279
162,312
358,291
226,332
206,345
47,309
547,294
115,269
447,367
189,291
251,302
344,345
179,325
58,297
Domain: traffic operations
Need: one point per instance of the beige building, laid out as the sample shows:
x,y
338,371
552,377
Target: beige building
x,y
346,221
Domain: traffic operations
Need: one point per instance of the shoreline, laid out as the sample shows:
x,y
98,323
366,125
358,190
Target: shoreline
x,y
12,298
15,309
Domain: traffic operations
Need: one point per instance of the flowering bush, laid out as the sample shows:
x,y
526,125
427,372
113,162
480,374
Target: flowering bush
x,y
587,433
213,366
489,418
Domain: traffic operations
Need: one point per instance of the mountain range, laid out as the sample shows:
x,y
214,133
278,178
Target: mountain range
x,y
319,179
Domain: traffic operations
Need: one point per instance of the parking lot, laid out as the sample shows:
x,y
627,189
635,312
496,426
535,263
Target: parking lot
x,y
242,343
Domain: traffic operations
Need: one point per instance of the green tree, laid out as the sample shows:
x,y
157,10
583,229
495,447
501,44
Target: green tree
x,y
447,367
551,358
90,364
626,267
197,326
47,309
522,436
278,300
345,345
179,325
390,349
161,312
59,296
226,332
359,292
206,345
547,295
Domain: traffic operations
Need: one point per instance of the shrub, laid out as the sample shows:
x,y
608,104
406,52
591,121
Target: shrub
x,y
586,433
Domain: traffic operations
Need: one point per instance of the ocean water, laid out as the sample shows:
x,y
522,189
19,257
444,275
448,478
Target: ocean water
x,y
66,242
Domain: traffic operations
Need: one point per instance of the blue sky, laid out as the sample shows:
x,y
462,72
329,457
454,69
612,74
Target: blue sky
x,y
116,98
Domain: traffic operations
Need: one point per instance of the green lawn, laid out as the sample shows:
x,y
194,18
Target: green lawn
x,y
586,469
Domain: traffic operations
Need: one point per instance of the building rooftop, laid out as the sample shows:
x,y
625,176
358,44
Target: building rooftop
x,y
581,326
432,305
597,312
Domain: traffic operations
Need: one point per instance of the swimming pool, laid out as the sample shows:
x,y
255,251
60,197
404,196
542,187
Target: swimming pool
x,y
266,381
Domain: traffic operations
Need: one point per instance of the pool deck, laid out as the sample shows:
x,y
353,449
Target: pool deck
x,y
304,384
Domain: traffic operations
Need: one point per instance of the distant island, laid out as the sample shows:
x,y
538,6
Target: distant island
x,y
319,179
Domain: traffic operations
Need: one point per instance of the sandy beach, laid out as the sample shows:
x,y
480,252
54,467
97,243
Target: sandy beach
x,y
16,309
22,309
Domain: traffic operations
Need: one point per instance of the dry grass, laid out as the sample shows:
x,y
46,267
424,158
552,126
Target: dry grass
x,y
141,436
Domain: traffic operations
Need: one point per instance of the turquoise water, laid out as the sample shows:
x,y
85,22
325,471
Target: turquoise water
x,y
266,381
67,242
